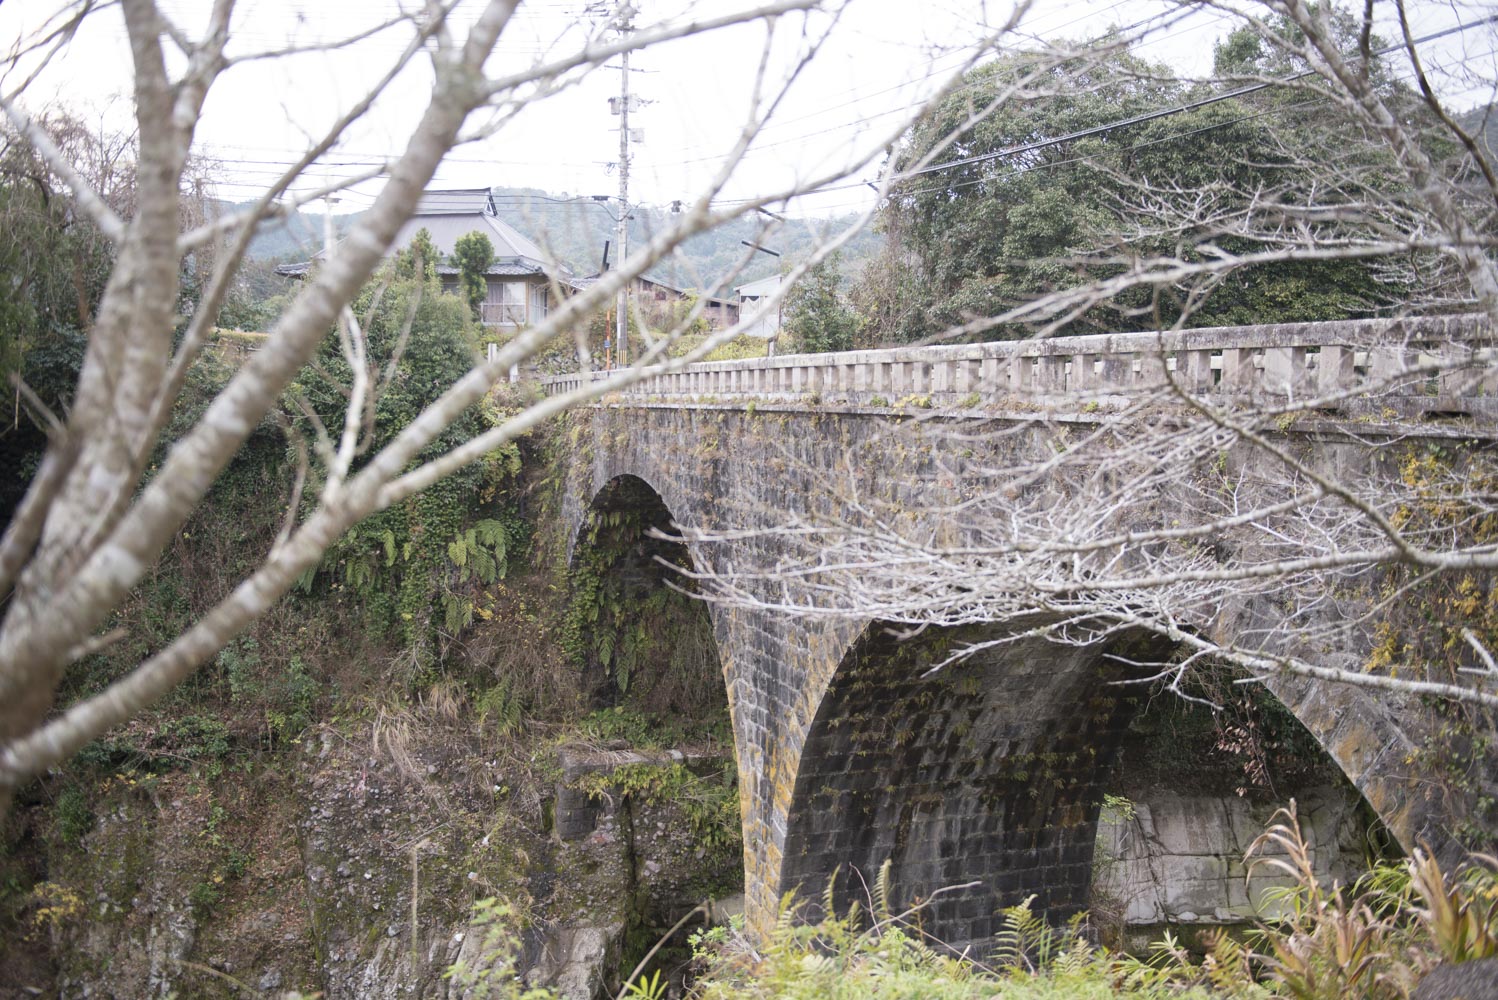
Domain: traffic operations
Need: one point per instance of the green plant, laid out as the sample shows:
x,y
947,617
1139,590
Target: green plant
x,y
473,253
494,974
205,894
1324,946
709,804
817,316
1459,914
72,815
499,710
884,952
651,987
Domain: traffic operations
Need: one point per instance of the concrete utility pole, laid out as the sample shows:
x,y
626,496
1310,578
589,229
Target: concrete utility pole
x,y
621,320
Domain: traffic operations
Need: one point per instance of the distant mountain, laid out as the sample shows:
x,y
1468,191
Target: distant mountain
x,y
297,237
1482,124
575,228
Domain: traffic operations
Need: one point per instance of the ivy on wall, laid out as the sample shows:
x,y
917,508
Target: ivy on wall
x,y
638,637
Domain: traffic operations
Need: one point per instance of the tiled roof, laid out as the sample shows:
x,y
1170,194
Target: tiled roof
x,y
448,215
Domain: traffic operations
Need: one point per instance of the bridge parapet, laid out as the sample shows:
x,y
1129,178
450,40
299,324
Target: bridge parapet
x,y
1436,364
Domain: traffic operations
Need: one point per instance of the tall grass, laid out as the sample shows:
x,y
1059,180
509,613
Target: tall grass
x,y
1374,940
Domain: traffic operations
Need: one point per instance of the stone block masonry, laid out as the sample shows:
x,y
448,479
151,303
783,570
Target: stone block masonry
x,y
992,772
1444,365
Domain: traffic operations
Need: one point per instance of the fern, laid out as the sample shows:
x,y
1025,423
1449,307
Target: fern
x,y
484,567
829,893
883,910
1024,935
457,612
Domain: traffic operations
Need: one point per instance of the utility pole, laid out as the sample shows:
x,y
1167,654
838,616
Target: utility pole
x,y
621,320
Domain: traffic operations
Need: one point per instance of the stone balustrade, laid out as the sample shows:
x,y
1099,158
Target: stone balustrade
x,y
1338,361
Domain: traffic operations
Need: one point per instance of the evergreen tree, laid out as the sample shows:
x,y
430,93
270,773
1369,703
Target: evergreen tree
x,y
473,253
419,259
816,314
1004,219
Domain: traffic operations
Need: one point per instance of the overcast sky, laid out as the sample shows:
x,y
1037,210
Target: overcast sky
x,y
878,61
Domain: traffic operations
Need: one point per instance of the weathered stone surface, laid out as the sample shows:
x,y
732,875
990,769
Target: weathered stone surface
x,y
817,785
328,906
1477,980
1177,859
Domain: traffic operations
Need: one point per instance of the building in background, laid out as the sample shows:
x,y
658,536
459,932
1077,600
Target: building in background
x,y
523,285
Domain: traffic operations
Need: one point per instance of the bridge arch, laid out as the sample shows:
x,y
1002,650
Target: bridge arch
x,y
641,638
987,775
717,464
990,770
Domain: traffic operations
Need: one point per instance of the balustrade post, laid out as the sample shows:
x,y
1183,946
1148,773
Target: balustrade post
x,y
1050,373
1238,372
1080,377
990,375
1487,357
1021,368
1284,370
1389,362
1117,373
1194,370
1153,363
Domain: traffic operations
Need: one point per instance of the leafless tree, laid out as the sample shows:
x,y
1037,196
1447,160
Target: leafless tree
x,y
1196,516
96,518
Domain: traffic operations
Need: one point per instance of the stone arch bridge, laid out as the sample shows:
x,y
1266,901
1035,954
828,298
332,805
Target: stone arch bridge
x,y
993,772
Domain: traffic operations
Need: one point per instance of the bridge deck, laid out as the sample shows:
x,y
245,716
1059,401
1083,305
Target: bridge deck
x,y
1440,365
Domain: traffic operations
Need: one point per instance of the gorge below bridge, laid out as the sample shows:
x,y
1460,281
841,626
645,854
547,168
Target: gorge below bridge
x,y
990,771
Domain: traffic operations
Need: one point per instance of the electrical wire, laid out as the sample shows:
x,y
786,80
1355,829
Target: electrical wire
x,y
1150,115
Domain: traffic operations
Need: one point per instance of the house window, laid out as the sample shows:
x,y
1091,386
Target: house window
x,y
538,303
505,304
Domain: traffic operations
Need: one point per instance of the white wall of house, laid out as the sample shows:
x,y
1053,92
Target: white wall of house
x,y
751,299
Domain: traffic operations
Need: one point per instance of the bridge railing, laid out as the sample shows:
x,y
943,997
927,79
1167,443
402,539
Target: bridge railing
x,y
1290,361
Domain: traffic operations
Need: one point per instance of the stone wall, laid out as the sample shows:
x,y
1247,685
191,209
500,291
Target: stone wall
x,y
1176,859
989,771
794,682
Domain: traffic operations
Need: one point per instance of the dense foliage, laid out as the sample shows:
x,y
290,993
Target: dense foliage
x,y
816,316
995,213
55,263
473,253
415,567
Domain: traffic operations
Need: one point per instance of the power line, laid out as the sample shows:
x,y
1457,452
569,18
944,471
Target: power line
x,y
1152,115
1168,16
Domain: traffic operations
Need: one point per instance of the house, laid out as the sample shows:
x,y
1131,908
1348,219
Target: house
x,y
523,286
720,313
751,295
657,293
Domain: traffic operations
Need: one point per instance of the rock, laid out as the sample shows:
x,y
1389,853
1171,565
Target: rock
x,y
1179,858
1477,980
